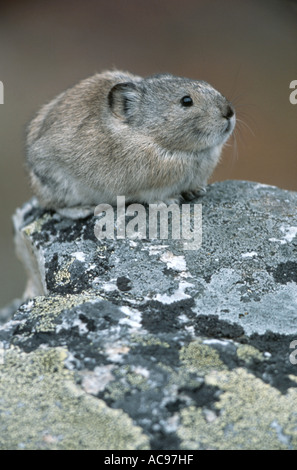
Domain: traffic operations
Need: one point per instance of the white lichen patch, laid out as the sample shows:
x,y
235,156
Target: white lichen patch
x,y
250,254
141,371
290,232
262,186
177,263
133,317
107,286
95,381
79,255
115,352
179,294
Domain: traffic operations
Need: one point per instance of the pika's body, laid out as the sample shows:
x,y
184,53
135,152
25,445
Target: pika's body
x,y
116,134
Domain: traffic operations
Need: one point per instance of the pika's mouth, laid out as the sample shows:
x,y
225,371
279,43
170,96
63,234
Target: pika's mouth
x,y
228,127
230,124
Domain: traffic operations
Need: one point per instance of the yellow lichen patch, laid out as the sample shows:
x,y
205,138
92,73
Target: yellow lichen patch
x,y
42,408
36,225
149,340
200,358
251,415
47,309
130,379
63,276
247,352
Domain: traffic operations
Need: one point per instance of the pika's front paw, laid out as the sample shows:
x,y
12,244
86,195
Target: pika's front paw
x,y
171,200
190,195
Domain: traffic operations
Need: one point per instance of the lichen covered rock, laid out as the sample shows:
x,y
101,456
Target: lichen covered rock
x,y
138,344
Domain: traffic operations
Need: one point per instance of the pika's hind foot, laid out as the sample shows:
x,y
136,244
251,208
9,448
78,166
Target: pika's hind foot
x,y
75,213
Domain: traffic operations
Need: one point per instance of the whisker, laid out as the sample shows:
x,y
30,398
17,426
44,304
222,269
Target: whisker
x,y
241,122
235,148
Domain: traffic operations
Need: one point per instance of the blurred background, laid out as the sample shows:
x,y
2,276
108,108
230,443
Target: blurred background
x,y
245,48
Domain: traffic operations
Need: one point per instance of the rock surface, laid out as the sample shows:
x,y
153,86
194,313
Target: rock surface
x,y
143,344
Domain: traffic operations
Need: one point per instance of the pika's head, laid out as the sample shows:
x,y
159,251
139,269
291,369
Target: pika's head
x,y
178,113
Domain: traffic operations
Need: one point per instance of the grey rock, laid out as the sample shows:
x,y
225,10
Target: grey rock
x,y
185,349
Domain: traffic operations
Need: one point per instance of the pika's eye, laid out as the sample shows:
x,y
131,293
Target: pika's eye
x,y
186,101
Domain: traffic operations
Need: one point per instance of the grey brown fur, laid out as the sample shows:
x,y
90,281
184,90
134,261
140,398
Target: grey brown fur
x,y
117,134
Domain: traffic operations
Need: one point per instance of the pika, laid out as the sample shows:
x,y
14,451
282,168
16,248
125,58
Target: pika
x,y
113,134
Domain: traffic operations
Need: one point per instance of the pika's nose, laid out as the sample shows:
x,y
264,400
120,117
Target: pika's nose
x,y
228,112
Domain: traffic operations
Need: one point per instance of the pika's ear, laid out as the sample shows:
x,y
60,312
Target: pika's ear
x,y
123,99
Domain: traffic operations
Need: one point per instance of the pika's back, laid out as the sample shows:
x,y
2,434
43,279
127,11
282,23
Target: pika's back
x,y
82,101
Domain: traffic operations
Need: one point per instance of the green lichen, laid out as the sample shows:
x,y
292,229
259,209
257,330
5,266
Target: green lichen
x,y
247,353
128,378
149,340
251,415
42,408
199,358
36,225
46,309
63,276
